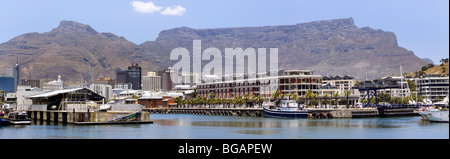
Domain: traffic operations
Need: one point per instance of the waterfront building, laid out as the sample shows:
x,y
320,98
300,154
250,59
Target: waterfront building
x,y
329,89
341,83
131,76
22,94
151,82
102,89
7,83
54,85
287,81
77,99
183,88
432,86
159,99
396,86
31,82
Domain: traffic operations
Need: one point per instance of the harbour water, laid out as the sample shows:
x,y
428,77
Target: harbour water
x,y
189,126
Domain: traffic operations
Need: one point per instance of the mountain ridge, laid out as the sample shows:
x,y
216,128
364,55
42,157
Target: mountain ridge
x,y
327,47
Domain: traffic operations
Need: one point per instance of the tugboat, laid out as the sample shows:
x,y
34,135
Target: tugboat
x,y
288,109
19,118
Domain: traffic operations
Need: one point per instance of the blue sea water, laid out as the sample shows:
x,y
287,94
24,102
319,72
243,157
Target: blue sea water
x,y
188,126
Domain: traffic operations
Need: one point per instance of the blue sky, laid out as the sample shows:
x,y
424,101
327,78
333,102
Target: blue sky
x,y
421,26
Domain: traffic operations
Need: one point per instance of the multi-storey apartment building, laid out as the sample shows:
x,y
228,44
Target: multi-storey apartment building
x,y
432,86
340,84
287,81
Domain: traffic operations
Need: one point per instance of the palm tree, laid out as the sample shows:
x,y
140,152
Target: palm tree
x,y
309,95
276,96
246,99
336,95
253,100
260,100
314,96
238,100
347,93
325,97
179,101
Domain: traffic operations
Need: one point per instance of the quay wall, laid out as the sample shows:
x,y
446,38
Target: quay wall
x,y
72,117
254,112
312,113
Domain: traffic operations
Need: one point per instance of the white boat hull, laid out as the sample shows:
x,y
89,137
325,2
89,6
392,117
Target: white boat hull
x,y
435,116
20,122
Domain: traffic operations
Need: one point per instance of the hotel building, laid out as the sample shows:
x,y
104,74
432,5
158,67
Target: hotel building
x,y
287,81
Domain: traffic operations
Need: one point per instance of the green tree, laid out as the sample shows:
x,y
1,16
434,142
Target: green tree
x,y
179,101
212,95
276,95
309,95
347,93
412,85
246,99
325,100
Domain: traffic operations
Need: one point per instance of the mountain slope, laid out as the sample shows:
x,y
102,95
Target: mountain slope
x,y
75,51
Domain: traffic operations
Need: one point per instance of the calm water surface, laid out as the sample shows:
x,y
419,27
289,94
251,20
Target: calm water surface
x,y
187,126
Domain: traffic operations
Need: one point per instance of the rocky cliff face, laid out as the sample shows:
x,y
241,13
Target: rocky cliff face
x,y
329,47
75,51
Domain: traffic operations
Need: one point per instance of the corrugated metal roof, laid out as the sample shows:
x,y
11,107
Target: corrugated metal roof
x,y
54,93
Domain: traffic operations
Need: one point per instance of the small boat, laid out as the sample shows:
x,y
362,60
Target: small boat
x,y
288,109
53,107
434,115
3,119
105,107
19,118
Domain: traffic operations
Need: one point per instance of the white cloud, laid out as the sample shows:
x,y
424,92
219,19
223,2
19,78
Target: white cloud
x,y
176,10
145,7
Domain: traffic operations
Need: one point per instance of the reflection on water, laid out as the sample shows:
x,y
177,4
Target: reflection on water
x,y
337,123
258,132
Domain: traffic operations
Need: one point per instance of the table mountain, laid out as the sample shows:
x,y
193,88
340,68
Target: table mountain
x,y
79,53
329,47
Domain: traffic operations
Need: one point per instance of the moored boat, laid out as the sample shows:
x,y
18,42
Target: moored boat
x,y
19,118
3,119
288,109
434,115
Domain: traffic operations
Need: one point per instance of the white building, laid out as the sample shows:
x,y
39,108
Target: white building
x,y
22,94
151,82
103,90
54,85
432,86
